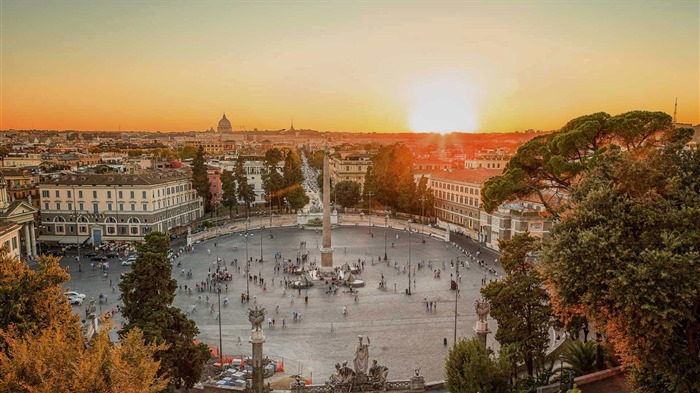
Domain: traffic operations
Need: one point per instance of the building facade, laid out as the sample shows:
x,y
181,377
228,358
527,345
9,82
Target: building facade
x,y
458,198
351,168
514,218
489,159
95,208
9,238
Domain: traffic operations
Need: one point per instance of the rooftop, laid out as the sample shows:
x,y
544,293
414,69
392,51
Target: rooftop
x,y
478,175
147,178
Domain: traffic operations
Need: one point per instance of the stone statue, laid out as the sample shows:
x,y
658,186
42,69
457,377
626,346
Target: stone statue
x,y
377,373
362,357
483,308
256,316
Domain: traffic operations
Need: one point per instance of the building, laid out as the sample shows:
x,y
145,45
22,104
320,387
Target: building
x,y
95,208
21,185
489,159
19,160
515,218
351,168
9,238
17,218
458,198
224,125
428,165
214,175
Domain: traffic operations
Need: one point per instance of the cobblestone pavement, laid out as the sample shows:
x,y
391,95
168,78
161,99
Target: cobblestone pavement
x,y
404,335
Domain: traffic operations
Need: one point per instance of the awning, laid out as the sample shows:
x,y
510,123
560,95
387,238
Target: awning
x,y
50,238
73,239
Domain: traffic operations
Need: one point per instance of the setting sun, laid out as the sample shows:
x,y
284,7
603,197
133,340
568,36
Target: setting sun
x,y
445,105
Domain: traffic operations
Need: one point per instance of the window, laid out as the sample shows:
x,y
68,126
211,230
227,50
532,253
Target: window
x,y
133,207
95,208
14,243
94,194
145,206
121,195
44,193
70,206
46,206
80,194
70,195
58,193
134,230
143,195
109,207
58,205
132,195
81,206
109,194
121,207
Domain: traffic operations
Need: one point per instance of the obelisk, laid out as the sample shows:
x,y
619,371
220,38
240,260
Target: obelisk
x,y
326,251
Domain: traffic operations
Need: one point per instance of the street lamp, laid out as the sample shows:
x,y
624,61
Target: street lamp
x,y
386,225
221,345
247,262
409,257
456,298
369,212
270,217
422,200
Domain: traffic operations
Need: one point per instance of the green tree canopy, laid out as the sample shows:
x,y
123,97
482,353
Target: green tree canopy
x,y
245,190
519,302
347,193
626,256
148,292
470,367
200,179
228,186
390,178
549,165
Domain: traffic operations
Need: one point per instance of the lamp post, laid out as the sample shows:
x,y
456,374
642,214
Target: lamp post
x,y
456,298
247,262
369,212
409,257
422,200
221,347
386,225
270,218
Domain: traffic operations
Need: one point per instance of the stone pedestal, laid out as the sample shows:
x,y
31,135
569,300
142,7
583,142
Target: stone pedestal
x,y
418,383
482,330
257,338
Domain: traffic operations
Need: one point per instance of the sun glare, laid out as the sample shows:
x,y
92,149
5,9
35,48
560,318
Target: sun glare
x,y
443,106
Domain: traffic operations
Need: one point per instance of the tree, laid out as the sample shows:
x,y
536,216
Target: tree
x,y
390,178
292,180
519,302
186,152
347,193
245,190
32,300
625,256
580,356
549,165
296,198
200,179
57,361
471,368
273,181
148,292
228,185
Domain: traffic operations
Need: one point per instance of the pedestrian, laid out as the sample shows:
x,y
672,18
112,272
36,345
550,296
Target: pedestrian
x,y
284,324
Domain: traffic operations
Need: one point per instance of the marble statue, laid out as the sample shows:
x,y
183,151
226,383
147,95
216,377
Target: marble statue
x,y
483,308
256,316
361,361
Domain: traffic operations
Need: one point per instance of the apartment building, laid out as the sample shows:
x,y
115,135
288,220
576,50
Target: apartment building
x,y
458,198
351,168
489,159
94,208
515,218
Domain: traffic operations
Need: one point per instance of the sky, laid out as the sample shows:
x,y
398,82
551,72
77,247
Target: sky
x,y
370,66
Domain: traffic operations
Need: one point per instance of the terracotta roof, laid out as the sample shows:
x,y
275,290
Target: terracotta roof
x,y
478,175
157,177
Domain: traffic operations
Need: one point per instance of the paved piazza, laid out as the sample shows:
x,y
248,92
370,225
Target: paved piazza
x,y
404,334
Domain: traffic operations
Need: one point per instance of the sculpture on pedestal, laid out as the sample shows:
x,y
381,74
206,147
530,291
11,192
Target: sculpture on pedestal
x,y
363,378
256,316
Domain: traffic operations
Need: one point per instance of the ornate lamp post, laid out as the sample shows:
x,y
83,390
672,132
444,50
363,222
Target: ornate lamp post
x,y
247,262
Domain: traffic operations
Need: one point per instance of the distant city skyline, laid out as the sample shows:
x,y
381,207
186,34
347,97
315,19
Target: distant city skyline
x,y
343,66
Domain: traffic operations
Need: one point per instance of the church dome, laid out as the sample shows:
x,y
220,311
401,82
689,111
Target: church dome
x,y
224,125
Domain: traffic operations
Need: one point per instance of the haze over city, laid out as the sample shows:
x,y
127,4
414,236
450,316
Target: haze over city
x,y
343,66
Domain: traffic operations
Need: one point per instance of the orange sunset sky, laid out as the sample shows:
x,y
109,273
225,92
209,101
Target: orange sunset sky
x,y
384,66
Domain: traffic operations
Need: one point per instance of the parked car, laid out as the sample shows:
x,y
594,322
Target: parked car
x,y
127,262
90,254
56,253
74,294
132,258
112,254
99,258
75,301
